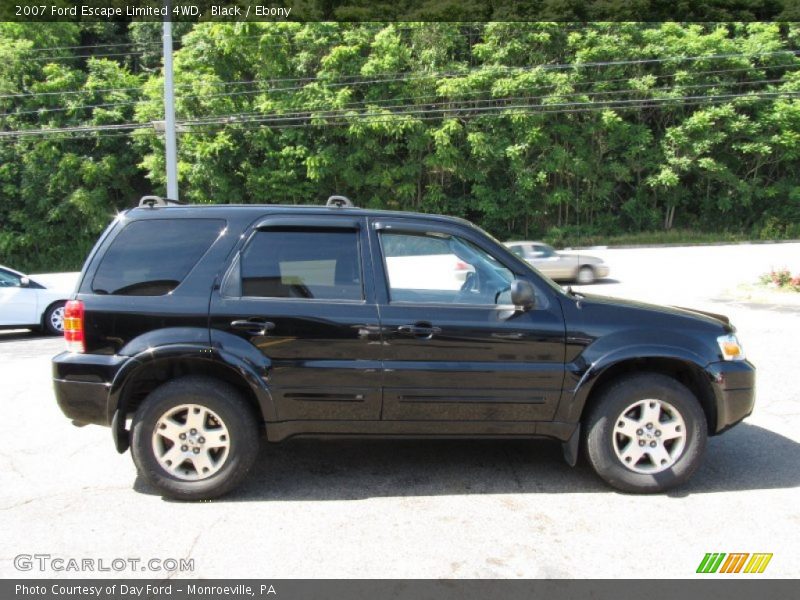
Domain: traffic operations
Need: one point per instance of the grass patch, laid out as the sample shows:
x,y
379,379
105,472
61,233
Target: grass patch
x,y
762,294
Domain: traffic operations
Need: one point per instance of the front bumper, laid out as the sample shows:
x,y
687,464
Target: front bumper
x,y
733,383
601,271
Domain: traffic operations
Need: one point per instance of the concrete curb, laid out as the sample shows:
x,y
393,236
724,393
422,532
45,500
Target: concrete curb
x,y
679,244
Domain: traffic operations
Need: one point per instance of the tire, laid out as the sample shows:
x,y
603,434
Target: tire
x,y
585,275
219,412
626,407
53,321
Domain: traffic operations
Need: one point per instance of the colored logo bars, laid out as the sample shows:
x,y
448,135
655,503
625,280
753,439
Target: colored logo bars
x,y
716,562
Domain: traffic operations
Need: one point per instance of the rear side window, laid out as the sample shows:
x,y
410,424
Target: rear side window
x,y
152,257
320,264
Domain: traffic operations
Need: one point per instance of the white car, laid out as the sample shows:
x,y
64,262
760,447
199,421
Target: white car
x,y
27,303
559,265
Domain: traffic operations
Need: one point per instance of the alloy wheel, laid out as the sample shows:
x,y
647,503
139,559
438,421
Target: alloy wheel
x,y
57,319
649,436
191,442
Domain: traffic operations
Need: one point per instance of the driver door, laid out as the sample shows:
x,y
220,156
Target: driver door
x,y
453,351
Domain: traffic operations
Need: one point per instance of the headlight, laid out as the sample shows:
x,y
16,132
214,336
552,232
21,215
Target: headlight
x,y
730,347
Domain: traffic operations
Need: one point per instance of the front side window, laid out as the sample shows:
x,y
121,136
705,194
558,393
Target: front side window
x,y
440,268
9,279
152,257
314,264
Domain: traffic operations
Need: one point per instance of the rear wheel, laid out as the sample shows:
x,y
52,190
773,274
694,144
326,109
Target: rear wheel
x,y
194,438
646,433
54,319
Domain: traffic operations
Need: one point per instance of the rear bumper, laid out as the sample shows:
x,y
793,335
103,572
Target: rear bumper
x,y
82,383
81,401
734,390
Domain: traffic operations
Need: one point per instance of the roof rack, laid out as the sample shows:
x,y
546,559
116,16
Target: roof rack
x,y
153,201
339,202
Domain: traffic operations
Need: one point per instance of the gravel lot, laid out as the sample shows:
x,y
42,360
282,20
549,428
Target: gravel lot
x,y
427,508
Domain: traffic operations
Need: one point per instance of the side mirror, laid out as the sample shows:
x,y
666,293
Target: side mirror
x,y
24,282
523,294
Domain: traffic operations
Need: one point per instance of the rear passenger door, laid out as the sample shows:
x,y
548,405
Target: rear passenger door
x,y
298,290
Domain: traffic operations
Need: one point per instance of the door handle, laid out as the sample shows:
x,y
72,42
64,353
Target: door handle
x,y
419,330
254,326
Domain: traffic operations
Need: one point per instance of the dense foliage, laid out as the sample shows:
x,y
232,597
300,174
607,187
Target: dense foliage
x,y
552,130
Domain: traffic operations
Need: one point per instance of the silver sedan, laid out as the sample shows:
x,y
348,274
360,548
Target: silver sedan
x,y
558,265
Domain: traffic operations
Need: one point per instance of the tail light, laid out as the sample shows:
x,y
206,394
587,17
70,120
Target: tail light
x,y
461,266
73,326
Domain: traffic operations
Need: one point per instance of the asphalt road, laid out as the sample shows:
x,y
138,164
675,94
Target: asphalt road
x,y
434,509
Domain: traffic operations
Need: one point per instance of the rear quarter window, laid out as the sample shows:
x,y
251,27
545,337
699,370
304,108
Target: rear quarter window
x,y
152,257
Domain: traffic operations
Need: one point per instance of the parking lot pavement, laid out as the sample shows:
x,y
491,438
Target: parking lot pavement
x,y
681,274
420,508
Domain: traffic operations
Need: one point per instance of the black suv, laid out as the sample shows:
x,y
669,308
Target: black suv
x,y
194,330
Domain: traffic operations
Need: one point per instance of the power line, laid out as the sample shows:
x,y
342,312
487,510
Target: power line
x,y
265,32
287,44
524,111
422,97
81,56
521,112
381,104
536,109
70,136
77,128
326,79
91,46
393,118
447,110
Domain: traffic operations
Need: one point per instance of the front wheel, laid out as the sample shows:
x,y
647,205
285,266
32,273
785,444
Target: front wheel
x,y
194,438
646,433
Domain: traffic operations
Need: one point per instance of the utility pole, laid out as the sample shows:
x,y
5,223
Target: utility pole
x,y
169,110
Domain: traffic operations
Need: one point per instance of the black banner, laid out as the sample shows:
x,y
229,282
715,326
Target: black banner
x,y
373,589
400,10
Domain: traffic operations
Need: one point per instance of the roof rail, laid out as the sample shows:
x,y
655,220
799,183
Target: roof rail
x,y
153,201
339,202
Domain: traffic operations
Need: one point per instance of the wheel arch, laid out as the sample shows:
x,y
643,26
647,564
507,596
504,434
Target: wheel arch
x,y
147,371
580,267
686,372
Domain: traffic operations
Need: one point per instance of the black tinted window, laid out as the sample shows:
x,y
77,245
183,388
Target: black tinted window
x,y
152,257
321,264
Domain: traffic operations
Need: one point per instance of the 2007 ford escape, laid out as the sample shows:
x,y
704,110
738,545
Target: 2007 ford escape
x,y
194,330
